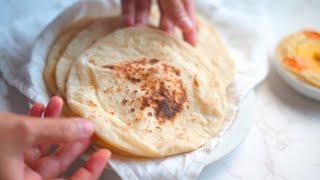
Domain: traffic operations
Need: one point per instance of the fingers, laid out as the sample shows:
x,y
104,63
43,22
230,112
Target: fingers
x,y
52,166
36,110
11,164
128,12
54,107
142,11
59,131
189,7
94,166
181,13
53,110
176,12
30,174
49,131
190,36
31,155
166,24
52,131
135,12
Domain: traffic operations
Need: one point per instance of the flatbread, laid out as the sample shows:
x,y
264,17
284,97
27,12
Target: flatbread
x,y
56,51
148,94
54,55
210,45
80,43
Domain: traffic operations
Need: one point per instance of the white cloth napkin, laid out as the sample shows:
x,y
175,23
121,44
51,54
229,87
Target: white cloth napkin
x,y
244,33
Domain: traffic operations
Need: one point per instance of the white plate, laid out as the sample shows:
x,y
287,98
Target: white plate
x,y
235,135
297,84
231,138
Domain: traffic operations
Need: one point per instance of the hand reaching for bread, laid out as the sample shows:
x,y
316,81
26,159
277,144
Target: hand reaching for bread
x,y
178,13
35,148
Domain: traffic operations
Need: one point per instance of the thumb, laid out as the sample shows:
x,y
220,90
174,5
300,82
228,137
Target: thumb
x,y
59,131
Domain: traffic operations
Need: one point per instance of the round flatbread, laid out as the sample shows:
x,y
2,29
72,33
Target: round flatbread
x,y
54,55
148,94
210,45
60,60
300,54
79,44
56,51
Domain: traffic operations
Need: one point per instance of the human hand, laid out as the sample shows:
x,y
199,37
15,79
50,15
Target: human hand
x,y
173,13
27,144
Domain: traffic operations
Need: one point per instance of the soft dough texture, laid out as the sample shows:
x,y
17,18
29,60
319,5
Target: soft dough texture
x,y
69,45
80,43
57,50
210,45
54,55
148,94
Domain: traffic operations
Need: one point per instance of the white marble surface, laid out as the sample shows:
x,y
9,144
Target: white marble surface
x,y
284,142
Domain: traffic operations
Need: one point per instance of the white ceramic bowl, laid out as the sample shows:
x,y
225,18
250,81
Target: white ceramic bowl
x,y
297,84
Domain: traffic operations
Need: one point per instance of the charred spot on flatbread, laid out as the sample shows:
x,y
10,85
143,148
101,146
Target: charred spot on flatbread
x,y
160,83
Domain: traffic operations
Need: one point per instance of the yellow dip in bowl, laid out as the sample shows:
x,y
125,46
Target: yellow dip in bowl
x,y
300,54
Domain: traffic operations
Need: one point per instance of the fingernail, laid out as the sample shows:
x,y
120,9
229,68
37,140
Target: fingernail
x,y
191,37
140,21
86,127
106,152
194,40
188,23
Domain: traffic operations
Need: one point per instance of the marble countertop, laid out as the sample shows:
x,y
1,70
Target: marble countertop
x,y
283,143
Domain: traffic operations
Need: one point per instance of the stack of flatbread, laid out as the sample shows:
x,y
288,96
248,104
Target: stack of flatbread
x,y
149,94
